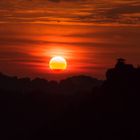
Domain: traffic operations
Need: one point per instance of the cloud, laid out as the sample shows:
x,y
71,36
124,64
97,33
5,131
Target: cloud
x,y
123,9
70,12
67,0
54,0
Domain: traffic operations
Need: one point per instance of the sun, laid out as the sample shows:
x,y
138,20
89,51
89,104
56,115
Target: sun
x,y
58,63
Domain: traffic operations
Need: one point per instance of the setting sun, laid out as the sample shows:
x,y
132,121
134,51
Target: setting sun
x,y
58,63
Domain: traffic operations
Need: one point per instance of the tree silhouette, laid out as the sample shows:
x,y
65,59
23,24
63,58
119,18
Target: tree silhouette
x,y
79,106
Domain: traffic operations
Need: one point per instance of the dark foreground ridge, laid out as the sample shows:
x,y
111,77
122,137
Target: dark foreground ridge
x,y
77,107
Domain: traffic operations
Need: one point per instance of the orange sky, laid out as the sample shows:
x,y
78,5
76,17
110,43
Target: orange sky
x,y
91,35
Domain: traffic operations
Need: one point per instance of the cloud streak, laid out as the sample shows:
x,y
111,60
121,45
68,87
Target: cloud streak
x,y
70,12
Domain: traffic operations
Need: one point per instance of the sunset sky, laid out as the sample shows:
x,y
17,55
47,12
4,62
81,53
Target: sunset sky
x,y
89,34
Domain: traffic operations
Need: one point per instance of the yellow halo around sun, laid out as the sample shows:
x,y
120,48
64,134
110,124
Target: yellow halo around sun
x,y
58,63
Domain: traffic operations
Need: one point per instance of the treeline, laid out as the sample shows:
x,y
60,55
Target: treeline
x,y
77,107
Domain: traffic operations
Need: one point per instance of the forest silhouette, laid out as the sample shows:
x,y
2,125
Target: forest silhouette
x,y
75,108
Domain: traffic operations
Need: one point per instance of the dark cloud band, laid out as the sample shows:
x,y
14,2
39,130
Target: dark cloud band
x,y
70,11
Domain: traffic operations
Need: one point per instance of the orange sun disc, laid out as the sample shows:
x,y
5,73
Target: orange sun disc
x,y
58,63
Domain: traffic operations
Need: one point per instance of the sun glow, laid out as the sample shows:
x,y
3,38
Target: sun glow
x,y
58,63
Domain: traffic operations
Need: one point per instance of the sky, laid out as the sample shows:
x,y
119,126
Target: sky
x,y
89,34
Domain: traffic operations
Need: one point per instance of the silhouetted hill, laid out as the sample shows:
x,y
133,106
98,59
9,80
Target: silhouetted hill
x,y
80,83
70,85
76,107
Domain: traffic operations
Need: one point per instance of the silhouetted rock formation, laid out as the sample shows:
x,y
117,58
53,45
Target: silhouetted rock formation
x,y
122,71
120,96
79,106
